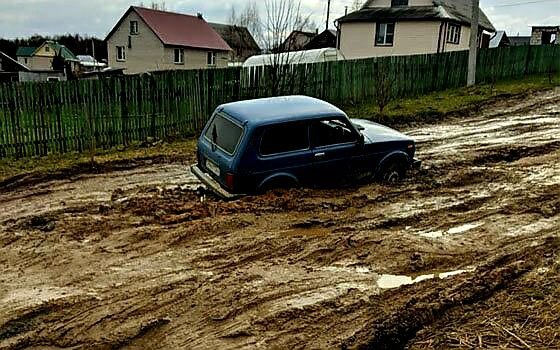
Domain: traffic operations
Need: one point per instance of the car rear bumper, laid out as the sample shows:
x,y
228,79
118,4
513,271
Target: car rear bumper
x,y
212,185
416,164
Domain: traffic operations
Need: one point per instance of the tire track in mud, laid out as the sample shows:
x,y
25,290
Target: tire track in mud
x,y
402,325
288,269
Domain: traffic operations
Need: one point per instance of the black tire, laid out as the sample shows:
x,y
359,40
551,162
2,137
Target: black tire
x,y
282,183
393,173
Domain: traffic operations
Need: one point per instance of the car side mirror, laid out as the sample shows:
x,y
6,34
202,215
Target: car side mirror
x,y
361,140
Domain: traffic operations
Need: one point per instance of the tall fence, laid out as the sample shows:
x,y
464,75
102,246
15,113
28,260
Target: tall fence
x,y
37,119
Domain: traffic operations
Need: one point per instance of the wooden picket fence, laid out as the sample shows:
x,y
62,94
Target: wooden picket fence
x,y
37,119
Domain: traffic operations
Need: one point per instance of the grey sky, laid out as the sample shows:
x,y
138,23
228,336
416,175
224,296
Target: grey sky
x,y
21,18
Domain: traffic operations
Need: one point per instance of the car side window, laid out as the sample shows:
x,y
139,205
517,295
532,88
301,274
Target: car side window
x,y
331,132
283,138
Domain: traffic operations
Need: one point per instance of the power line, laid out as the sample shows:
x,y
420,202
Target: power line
x,y
524,3
328,13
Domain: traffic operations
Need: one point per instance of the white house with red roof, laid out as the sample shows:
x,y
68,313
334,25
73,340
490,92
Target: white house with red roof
x,y
149,40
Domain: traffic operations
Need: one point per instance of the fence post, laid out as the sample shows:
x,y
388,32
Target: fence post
x,y
124,110
154,105
237,84
527,60
15,124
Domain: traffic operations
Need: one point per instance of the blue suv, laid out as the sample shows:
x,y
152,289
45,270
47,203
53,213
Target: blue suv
x,y
256,145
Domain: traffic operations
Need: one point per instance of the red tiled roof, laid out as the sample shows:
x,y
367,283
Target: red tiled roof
x,y
182,30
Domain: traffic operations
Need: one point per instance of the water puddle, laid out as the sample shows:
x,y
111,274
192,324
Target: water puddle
x,y
395,281
432,234
363,280
464,228
348,269
452,231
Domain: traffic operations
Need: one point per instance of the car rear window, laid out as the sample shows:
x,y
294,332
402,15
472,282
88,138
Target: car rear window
x,y
284,138
224,133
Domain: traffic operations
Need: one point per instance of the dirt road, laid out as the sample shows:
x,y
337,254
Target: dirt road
x,y
466,253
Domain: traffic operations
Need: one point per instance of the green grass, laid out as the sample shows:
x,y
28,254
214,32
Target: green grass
x,y
436,105
426,108
59,162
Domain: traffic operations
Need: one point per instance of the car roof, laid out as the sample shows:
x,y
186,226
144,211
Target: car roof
x,y
279,109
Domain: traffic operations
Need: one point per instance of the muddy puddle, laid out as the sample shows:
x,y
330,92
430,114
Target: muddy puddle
x,y
452,231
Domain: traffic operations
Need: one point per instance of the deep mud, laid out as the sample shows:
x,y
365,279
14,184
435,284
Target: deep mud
x,y
466,253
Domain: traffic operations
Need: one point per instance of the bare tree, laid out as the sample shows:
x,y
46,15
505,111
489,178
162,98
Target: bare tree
x,y
305,23
154,5
282,18
357,5
248,18
383,90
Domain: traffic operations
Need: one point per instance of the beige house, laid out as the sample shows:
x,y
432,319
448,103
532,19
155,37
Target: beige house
x,y
407,27
41,58
149,40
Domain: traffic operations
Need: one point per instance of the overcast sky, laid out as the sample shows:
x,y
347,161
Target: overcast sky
x,y
22,18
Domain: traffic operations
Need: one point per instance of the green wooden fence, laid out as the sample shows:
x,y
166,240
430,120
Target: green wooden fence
x,y
37,119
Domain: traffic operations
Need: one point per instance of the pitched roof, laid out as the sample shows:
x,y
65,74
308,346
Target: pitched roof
x,y
496,40
177,29
451,10
301,33
25,51
462,10
236,36
63,51
297,40
11,62
327,38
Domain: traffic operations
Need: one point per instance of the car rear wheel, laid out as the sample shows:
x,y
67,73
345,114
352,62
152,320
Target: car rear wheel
x,y
279,183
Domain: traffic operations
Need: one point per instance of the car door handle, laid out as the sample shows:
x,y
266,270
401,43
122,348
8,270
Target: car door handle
x,y
319,155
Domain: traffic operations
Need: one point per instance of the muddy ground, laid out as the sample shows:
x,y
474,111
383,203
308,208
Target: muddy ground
x,y
464,254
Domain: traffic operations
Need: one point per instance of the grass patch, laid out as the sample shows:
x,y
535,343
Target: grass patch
x,y
56,163
434,106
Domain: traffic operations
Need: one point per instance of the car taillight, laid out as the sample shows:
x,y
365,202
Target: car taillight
x,y
230,180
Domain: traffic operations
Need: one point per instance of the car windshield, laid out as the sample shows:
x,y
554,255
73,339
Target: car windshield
x,y
224,133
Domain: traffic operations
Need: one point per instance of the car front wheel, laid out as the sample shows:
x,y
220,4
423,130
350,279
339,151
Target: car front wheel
x,y
393,173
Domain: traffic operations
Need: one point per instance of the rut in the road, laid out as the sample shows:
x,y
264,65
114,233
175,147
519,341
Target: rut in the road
x,y
402,325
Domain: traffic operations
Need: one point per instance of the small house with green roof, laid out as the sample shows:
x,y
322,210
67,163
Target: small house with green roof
x,y
42,57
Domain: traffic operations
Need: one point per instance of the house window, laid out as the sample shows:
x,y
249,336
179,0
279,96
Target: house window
x,y
453,33
53,79
211,58
385,33
178,56
395,3
25,59
133,27
121,53
47,49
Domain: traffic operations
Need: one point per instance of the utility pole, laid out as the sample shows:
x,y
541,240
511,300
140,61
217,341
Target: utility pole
x,y
473,49
328,12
